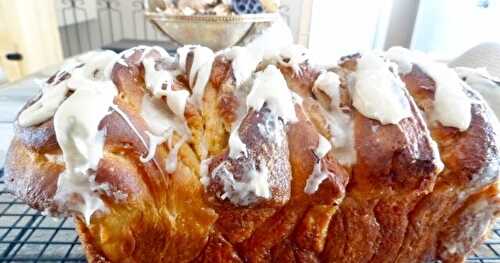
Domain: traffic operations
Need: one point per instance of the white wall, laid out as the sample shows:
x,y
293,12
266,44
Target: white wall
x,y
401,23
344,27
447,28
294,13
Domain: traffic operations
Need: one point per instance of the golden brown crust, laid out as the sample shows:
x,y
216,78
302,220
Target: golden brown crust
x,y
261,151
471,164
92,252
29,168
395,167
391,205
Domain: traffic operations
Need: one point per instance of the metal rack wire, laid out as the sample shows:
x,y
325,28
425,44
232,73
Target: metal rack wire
x,y
489,251
28,236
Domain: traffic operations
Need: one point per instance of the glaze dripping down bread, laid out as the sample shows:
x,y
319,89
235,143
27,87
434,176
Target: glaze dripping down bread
x,y
236,156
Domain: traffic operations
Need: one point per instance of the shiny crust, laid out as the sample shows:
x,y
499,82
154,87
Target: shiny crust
x,y
393,205
471,173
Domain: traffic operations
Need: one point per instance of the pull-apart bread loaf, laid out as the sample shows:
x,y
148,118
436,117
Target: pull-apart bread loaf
x,y
237,157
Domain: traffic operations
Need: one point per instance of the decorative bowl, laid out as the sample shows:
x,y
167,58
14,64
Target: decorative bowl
x,y
213,31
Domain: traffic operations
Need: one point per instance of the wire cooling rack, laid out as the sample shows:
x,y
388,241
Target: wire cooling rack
x,y
28,236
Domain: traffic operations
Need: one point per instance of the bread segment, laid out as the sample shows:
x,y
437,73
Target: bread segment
x,y
233,170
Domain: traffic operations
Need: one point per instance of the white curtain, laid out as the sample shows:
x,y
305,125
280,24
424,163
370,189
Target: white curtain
x,y
344,27
447,28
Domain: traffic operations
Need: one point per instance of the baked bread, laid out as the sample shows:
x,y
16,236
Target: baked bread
x,y
236,157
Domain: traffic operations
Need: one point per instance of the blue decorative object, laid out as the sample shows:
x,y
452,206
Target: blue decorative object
x,y
247,6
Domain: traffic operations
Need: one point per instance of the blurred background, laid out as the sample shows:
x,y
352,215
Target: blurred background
x,y
38,33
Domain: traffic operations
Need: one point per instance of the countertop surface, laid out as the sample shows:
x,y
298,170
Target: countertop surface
x,y
12,99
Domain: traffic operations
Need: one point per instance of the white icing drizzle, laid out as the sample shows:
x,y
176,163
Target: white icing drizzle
x,y
315,179
403,57
171,162
76,121
53,95
119,195
254,184
163,53
378,93
236,145
147,50
204,176
129,123
46,106
340,124
272,39
487,85
154,141
176,101
99,67
270,87
203,148
452,107
82,144
269,129
323,148
292,56
69,65
244,62
162,123
55,158
122,62
159,118
329,83
432,143
155,79
318,175
182,54
341,127
200,71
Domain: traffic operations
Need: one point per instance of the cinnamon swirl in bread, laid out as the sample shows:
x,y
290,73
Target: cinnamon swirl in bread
x,y
239,157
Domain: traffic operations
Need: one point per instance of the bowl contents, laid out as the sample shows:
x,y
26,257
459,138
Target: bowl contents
x,y
219,7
